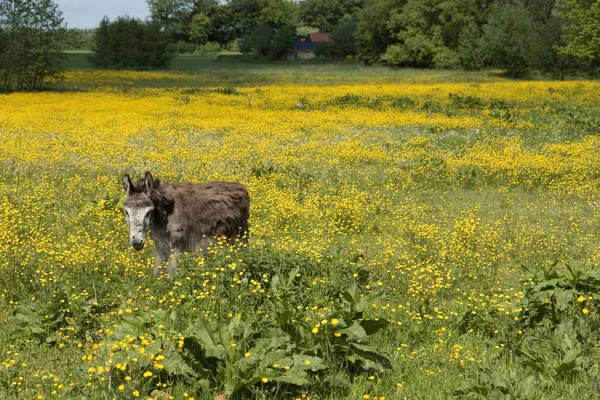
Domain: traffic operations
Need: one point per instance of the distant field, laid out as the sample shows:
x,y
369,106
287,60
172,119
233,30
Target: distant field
x,y
191,70
413,235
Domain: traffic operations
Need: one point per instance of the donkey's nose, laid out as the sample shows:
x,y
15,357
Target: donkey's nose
x,y
137,244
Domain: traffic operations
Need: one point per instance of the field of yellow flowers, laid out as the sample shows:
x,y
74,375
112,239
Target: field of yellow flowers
x,y
407,240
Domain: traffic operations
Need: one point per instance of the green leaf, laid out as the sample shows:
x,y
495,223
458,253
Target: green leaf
x,y
174,363
350,293
305,362
355,331
364,303
372,326
293,376
563,299
209,341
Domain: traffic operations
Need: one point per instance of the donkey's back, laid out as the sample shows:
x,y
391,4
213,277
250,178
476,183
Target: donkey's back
x,y
202,211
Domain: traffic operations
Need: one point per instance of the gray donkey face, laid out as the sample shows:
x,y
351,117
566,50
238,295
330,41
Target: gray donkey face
x,y
139,210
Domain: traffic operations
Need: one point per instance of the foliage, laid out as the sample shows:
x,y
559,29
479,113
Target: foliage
x,y
261,38
32,43
508,36
343,38
326,15
582,33
379,201
471,48
281,44
172,14
372,33
209,48
200,28
127,43
80,38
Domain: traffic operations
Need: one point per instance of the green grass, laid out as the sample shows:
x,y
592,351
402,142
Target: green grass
x,y
396,225
228,70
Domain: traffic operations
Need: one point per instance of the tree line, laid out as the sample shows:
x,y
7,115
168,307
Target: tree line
x,y
554,36
557,37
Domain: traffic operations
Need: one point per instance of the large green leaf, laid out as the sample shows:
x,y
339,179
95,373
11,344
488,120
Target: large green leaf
x,y
208,339
355,331
372,326
294,376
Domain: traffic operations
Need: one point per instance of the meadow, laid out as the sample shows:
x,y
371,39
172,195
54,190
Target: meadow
x,y
412,235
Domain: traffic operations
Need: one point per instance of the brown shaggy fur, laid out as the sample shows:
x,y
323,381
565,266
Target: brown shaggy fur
x,y
187,217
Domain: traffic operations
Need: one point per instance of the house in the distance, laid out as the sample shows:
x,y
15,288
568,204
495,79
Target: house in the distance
x,y
304,47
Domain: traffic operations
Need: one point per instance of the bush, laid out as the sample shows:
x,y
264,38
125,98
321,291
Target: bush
x,y
32,43
244,45
510,38
344,43
128,43
182,47
210,48
281,45
260,39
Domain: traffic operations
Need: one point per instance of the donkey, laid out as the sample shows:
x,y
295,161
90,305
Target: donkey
x,y
184,217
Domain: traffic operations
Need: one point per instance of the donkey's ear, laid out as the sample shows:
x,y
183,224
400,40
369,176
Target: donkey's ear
x,y
148,181
127,184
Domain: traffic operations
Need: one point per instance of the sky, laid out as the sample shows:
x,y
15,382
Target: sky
x,y
88,13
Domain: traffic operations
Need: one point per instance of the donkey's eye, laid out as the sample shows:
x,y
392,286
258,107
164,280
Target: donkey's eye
x,y
127,213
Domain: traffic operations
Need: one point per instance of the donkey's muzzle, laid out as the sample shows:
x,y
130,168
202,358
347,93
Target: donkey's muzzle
x,y
137,244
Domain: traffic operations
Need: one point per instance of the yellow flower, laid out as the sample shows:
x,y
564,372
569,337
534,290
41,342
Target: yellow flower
x,y
264,380
306,362
136,393
147,374
247,354
585,311
334,321
121,387
581,299
315,330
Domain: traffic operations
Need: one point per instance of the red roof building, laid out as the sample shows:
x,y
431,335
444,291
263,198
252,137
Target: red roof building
x,y
319,37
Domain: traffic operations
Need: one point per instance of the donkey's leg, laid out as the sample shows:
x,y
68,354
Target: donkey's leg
x,y
163,252
173,261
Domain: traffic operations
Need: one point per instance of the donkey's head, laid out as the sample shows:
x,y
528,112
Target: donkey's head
x,y
139,208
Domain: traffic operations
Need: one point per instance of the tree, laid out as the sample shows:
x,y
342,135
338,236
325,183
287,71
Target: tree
x,y
128,43
582,31
373,35
101,45
261,38
343,40
174,15
80,38
225,27
281,45
200,28
327,14
471,52
510,36
32,43
277,13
